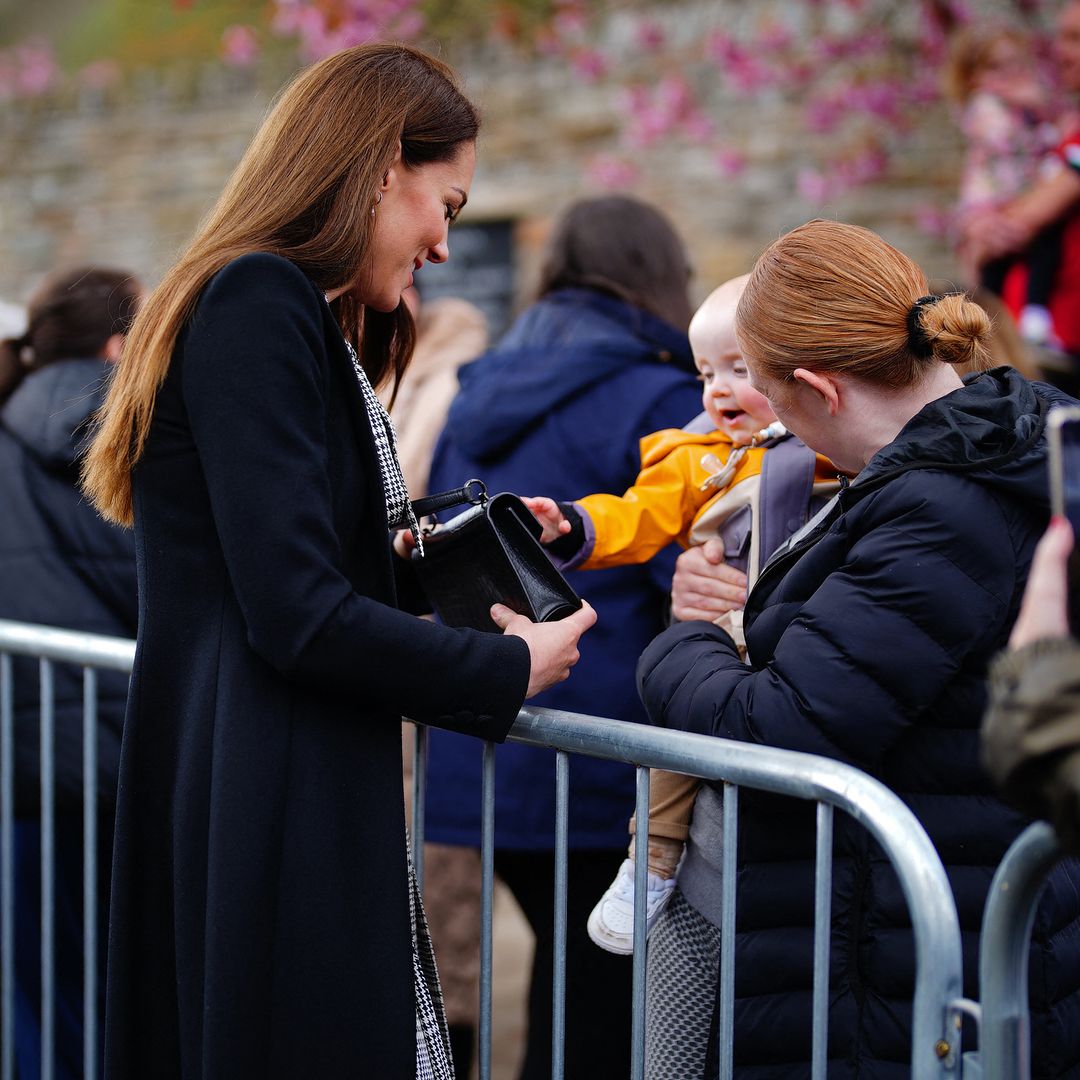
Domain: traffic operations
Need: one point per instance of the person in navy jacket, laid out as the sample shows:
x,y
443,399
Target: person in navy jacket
x,y
869,637
559,406
61,565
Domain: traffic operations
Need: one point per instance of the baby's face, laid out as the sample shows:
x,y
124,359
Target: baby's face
x,y
732,404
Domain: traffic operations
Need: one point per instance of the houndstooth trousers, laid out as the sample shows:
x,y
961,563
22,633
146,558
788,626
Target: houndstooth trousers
x,y
683,962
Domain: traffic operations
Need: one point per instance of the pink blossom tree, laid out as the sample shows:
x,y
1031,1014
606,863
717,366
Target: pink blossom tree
x,y
862,73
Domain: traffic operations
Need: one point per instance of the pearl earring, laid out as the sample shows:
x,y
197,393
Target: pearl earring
x,y
378,199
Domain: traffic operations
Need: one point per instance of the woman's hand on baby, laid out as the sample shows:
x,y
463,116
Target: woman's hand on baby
x,y
989,234
704,586
553,646
547,512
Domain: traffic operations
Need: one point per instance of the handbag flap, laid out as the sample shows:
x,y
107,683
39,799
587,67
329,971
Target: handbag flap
x,y
492,554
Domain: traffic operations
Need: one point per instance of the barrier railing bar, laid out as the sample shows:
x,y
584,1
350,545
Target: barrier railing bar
x,y
641,886
48,872
869,802
487,896
727,929
73,646
90,875
7,868
822,939
558,974
888,819
1005,1037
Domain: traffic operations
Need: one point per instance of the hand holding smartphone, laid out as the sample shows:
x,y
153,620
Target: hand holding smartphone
x,y
1063,435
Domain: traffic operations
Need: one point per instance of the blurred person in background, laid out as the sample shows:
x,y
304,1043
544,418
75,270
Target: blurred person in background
x,y
62,565
12,320
1006,118
558,405
449,332
1008,231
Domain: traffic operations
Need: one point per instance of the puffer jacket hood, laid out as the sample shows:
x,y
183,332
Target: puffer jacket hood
x,y
61,564
565,343
990,429
50,410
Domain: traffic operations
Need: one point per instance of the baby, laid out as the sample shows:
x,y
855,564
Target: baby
x,y
692,487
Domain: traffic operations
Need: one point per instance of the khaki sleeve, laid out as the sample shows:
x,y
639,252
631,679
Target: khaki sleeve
x,y
1031,733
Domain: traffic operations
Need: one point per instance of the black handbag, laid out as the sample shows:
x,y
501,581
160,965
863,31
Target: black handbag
x,y
490,554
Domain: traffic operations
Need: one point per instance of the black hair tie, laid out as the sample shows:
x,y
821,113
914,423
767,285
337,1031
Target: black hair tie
x,y
918,340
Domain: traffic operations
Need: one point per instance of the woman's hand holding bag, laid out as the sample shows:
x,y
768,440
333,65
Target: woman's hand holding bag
x,y
552,645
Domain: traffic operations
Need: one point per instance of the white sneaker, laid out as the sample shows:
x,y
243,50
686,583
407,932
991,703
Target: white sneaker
x,y
611,923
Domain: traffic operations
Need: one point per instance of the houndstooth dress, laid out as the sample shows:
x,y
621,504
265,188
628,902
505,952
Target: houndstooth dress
x,y
433,1060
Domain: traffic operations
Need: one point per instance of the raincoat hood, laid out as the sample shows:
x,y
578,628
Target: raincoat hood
x,y
50,410
564,343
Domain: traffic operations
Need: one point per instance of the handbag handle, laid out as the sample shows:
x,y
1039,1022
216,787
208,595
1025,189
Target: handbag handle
x,y
472,491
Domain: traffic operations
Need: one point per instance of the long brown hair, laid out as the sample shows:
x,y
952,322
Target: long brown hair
x,y
836,298
304,190
71,316
624,247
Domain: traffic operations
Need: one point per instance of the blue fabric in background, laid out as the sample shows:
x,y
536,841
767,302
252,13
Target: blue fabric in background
x,y
557,408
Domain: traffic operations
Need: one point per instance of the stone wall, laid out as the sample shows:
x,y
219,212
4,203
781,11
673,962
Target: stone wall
x,y
123,178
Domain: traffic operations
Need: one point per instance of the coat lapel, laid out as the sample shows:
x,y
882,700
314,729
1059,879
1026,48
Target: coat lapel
x,y
343,376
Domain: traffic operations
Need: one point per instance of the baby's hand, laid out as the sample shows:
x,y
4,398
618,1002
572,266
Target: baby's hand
x,y
404,542
547,512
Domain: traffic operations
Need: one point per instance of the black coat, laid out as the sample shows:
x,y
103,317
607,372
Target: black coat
x,y
260,921
62,565
869,641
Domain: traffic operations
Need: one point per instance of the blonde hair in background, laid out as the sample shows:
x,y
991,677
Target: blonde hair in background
x,y
970,53
304,189
835,298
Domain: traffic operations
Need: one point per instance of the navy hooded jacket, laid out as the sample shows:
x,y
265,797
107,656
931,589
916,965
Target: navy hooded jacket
x,y
61,564
869,640
558,408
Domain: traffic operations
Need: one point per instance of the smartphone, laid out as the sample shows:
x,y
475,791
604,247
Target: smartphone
x,y
1063,435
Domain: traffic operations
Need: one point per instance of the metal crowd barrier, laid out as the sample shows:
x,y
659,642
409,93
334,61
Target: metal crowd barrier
x,y
937,1003
91,652
1005,1045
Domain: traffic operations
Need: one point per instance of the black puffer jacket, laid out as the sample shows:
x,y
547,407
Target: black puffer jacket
x,y
869,641
63,565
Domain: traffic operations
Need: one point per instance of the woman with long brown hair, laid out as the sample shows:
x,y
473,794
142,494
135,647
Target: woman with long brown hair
x,y
265,922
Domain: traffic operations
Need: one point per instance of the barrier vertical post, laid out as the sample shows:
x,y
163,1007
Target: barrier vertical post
x,y
7,869
487,896
822,939
90,875
48,873
641,868
729,864
562,856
